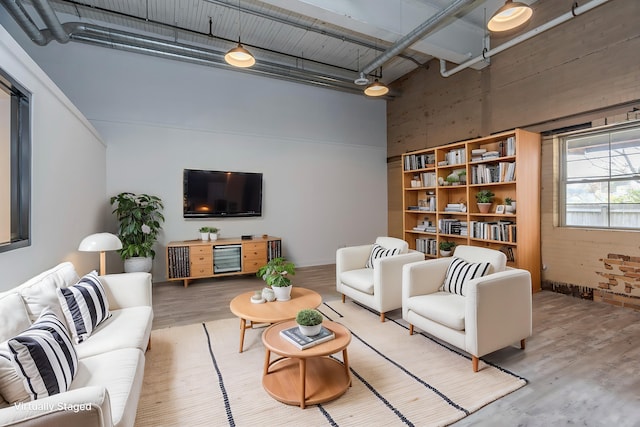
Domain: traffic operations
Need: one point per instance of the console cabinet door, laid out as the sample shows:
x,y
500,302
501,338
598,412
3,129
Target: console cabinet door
x,y
254,256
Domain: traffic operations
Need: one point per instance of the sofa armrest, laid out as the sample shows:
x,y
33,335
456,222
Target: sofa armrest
x,y
387,276
424,277
498,311
86,406
127,289
352,258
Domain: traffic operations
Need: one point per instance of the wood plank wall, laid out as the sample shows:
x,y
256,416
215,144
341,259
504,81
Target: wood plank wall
x,y
587,69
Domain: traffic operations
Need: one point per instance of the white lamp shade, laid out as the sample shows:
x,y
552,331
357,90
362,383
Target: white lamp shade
x,y
510,16
100,242
376,89
239,57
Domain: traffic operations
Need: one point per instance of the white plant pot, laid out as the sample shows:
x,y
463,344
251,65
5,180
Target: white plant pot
x,y
509,209
137,264
283,293
213,236
310,330
204,236
444,253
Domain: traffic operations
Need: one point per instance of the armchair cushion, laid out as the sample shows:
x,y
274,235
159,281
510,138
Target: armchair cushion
x,y
460,272
378,252
443,307
361,279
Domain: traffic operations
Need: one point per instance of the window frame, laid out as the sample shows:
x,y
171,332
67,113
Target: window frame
x,y
563,181
20,163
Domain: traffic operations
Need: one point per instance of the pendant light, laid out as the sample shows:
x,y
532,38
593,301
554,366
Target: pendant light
x,y
510,16
239,56
376,89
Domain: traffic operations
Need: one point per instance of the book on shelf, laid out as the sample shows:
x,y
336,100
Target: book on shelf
x,y
301,341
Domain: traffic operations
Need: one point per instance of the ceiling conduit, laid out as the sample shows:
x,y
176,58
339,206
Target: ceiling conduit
x,y
575,11
17,12
416,34
50,19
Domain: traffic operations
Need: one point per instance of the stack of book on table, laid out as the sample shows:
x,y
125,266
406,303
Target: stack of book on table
x,y
295,337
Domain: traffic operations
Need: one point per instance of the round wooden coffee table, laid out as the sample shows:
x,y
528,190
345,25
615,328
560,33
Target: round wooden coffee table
x,y
309,376
271,312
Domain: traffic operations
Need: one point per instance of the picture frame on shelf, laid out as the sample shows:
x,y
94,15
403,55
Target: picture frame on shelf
x,y
500,209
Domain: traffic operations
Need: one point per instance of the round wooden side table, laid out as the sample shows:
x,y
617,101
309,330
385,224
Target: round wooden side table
x,y
309,376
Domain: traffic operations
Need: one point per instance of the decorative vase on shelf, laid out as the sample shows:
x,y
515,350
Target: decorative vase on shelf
x,y
268,294
484,207
138,264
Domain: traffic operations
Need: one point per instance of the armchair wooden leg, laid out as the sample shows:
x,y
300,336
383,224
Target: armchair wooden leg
x,y
410,329
343,297
522,345
382,317
474,361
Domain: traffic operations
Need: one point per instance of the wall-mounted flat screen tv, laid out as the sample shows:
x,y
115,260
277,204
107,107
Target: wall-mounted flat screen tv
x,y
210,194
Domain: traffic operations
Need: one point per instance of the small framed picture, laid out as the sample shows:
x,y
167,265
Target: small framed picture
x,y
500,209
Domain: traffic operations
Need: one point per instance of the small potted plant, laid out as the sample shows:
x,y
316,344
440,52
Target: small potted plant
x,y
485,200
213,233
453,179
446,247
275,274
204,233
309,322
510,205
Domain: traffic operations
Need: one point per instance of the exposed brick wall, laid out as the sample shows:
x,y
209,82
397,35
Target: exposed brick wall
x,y
623,273
626,301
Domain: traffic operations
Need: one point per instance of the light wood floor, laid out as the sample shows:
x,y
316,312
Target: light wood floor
x,y
581,362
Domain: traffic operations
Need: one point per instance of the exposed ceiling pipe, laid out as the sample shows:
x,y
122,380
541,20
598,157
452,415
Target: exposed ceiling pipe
x,y
575,11
50,19
122,40
17,12
415,35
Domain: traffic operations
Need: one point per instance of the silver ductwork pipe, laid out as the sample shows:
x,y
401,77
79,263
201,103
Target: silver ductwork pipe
x,y
50,19
17,12
575,11
416,34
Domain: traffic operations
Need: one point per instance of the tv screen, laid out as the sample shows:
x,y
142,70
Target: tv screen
x,y
221,194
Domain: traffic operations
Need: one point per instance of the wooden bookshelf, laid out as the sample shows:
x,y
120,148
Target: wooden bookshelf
x,y
436,210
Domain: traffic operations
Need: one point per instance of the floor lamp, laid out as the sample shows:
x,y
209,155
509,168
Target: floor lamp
x,y
100,242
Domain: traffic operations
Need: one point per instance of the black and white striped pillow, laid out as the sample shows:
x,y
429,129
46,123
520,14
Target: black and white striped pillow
x,y
460,272
44,356
379,252
84,305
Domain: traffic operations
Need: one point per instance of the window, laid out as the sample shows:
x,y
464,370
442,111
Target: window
x,y
15,164
600,178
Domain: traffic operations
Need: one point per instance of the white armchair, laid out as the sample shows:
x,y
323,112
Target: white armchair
x,y
379,287
494,311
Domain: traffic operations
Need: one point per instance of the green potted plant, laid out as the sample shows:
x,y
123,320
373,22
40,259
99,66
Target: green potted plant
x,y
485,200
204,233
309,321
275,274
446,247
453,179
510,205
213,233
139,222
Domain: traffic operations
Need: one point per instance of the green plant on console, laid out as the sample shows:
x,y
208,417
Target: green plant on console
x,y
139,217
204,229
485,196
308,317
446,246
213,230
275,272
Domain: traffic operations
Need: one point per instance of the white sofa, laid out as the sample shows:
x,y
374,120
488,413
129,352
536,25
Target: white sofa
x,y
108,381
494,311
380,287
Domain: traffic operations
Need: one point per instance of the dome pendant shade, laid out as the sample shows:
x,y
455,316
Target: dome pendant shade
x,y
510,16
239,57
376,89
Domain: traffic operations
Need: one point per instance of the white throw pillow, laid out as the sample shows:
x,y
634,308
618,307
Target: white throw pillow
x,y
84,305
460,272
379,252
13,316
44,357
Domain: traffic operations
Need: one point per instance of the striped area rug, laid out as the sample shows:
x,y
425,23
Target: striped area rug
x,y
195,376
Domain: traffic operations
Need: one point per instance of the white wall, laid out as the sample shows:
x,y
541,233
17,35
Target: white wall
x,y
68,175
322,153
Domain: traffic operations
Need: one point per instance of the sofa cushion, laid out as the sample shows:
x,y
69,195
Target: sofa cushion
x,y
39,292
84,305
460,272
378,252
44,356
13,316
126,328
361,279
11,386
121,373
441,307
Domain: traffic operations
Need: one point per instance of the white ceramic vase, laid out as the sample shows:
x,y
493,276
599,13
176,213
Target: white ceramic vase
x,y
204,236
213,236
137,264
283,293
310,330
268,294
